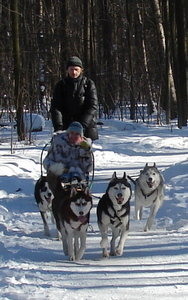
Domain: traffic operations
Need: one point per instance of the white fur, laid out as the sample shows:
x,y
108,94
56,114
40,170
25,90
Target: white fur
x,y
149,191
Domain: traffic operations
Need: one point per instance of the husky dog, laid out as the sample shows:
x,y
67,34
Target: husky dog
x,y
72,212
44,197
149,191
113,211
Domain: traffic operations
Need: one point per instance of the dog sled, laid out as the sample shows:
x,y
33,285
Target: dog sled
x,y
77,184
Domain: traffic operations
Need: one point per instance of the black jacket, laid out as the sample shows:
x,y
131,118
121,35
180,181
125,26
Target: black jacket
x,y
75,100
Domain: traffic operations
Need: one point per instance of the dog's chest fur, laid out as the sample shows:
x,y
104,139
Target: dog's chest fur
x,y
146,195
113,215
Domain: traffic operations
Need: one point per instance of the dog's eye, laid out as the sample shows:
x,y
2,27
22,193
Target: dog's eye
x,y
115,188
44,189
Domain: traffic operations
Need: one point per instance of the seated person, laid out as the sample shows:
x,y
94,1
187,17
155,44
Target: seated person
x,y
69,156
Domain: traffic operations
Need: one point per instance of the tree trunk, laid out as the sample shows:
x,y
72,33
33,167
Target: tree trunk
x,y
17,69
167,81
181,58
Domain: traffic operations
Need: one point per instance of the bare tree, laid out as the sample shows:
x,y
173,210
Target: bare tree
x,y
135,51
17,69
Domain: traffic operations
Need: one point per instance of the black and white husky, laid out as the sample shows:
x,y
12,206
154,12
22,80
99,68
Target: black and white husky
x,y
113,211
72,212
149,192
44,197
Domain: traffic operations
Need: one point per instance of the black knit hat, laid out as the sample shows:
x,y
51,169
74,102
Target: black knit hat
x,y
74,61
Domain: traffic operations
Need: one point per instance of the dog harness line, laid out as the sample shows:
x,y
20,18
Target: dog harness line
x,y
148,195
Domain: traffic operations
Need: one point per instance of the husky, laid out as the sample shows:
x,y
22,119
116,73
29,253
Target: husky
x,y
44,197
149,191
71,210
113,211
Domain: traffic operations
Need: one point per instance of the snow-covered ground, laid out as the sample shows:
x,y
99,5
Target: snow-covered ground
x,y
154,264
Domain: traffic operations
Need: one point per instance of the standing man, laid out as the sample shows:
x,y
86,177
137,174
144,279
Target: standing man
x,y
75,99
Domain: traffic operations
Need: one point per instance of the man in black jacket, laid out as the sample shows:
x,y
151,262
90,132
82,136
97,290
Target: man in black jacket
x,y
75,99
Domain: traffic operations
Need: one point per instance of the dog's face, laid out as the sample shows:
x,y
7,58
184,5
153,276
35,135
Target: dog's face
x,y
150,176
119,190
46,194
81,204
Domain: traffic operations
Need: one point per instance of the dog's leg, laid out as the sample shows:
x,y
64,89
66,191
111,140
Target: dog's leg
x,y
52,218
45,222
123,237
153,211
63,234
76,242
65,245
59,231
70,237
138,211
115,234
104,242
80,252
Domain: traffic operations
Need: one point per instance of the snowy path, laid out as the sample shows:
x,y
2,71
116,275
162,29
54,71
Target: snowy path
x,y
154,264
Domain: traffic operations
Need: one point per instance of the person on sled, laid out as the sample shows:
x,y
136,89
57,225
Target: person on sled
x,y
69,157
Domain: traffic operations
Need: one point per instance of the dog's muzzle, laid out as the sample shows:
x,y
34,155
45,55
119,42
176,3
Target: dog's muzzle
x,y
120,200
48,199
150,183
82,219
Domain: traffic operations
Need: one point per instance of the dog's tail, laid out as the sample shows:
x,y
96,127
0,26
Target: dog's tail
x,y
130,178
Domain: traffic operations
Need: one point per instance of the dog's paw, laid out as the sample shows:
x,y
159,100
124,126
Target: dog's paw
x,y
119,252
72,258
113,253
59,236
47,233
105,254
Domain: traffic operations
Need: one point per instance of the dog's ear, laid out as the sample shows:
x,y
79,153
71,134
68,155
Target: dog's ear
x,y
87,191
114,175
73,192
124,176
154,165
146,165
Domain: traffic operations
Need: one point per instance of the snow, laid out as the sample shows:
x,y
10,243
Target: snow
x,y
33,122
154,264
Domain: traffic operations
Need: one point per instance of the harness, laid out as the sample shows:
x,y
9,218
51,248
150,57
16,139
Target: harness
x,y
78,228
148,195
145,196
115,217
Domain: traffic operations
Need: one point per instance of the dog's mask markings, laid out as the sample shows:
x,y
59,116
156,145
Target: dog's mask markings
x,y
150,178
46,194
121,193
81,208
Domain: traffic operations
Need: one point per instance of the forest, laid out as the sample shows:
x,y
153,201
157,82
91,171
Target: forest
x,y
135,51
